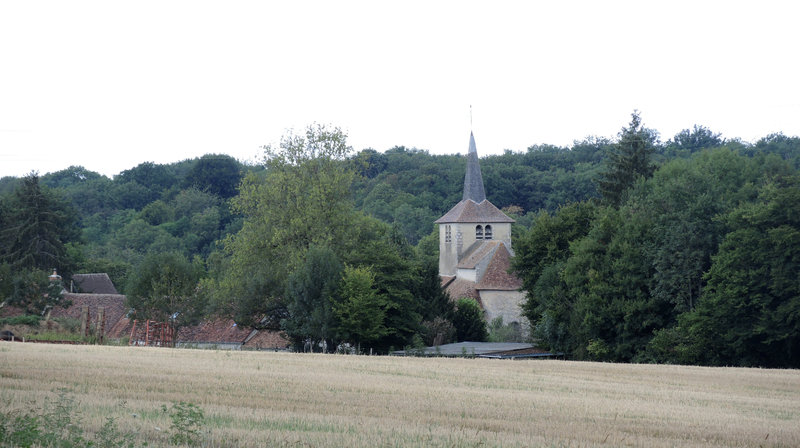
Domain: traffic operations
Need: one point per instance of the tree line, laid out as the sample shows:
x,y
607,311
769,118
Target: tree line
x,y
617,240
695,260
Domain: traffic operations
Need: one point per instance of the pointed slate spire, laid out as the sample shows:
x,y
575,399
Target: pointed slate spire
x,y
473,181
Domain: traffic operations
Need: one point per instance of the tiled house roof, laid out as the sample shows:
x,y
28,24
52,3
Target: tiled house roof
x,y
92,284
120,329
118,325
225,331
113,304
494,276
264,339
214,331
11,311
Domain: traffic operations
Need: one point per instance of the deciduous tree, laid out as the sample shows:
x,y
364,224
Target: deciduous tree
x,y
361,311
164,288
311,291
302,200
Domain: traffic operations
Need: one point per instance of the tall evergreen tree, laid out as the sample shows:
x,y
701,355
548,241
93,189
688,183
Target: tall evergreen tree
x,y
37,228
628,160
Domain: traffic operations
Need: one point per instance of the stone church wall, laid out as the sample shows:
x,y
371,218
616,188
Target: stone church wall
x,y
503,303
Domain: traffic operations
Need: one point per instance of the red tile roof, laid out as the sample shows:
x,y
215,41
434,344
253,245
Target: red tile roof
x,y
462,288
264,339
113,304
11,311
214,331
225,331
121,329
497,276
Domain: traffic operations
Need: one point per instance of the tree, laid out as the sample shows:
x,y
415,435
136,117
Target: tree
x,y
688,141
627,161
361,311
30,289
540,258
749,314
301,200
469,322
217,174
310,294
434,299
143,184
37,228
607,280
74,175
388,255
164,288
686,198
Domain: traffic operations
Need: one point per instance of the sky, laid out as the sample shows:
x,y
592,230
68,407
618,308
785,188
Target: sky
x,y
108,85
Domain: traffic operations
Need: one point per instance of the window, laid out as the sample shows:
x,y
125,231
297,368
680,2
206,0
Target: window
x,y
478,232
447,235
487,233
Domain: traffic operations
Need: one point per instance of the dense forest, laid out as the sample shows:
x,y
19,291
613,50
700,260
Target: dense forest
x,y
630,249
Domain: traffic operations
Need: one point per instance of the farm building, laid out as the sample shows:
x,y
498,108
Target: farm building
x,y
94,299
225,334
92,284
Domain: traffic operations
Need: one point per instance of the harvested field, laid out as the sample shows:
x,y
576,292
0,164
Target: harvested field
x,y
278,399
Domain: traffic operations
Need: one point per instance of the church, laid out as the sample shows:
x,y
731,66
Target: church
x,y
475,250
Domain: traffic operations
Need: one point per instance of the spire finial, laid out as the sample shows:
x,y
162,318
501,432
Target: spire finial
x,y
470,117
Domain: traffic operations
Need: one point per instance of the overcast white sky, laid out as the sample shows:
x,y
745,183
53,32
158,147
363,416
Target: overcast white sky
x,y
108,85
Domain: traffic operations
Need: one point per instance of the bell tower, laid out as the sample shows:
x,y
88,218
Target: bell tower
x,y
472,222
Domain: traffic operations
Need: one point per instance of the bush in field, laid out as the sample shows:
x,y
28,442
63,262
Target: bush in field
x,y
58,424
187,421
55,425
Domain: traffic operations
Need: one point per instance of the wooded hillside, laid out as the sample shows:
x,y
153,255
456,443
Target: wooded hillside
x,y
631,249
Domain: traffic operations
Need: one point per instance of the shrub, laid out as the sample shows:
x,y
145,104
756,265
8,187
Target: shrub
x,y
26,319
187,422
439,331
469,322
498,332
57,424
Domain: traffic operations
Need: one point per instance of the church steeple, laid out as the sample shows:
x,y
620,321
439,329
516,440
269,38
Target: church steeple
x,y
473,181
